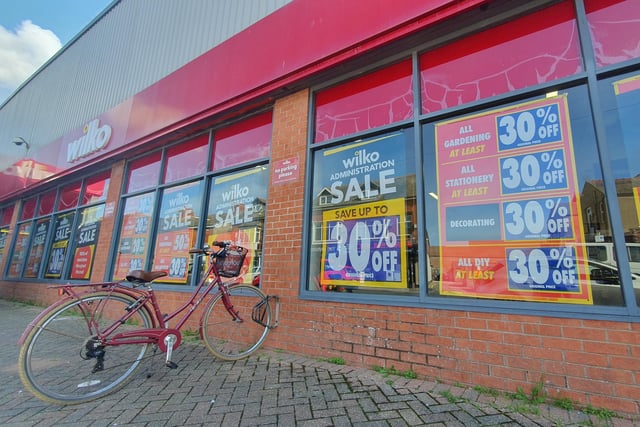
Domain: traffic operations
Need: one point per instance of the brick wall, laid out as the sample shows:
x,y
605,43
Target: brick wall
x,y
590,362
107,227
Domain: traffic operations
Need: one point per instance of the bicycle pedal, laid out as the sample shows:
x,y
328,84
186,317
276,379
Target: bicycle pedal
x,y
171,365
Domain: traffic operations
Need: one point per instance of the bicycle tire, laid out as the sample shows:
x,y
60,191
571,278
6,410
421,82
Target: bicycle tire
x,y
53,362
228,339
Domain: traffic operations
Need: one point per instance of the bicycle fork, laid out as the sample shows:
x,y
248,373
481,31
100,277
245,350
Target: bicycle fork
x,y
258,313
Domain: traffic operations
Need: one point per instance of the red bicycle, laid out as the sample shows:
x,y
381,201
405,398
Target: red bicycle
x,y
90,342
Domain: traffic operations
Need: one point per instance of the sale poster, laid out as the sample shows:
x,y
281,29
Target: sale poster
x,y
36,253
86,241
365,245
236,214
134,235
177,229
362,192
238,200
509,214
62,232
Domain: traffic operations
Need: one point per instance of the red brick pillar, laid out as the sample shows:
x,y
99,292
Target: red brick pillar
x,y
106,240
282,245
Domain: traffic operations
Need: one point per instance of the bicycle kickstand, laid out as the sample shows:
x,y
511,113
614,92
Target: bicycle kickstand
x,y
169,341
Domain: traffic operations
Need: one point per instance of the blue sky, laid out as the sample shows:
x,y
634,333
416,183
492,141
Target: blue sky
x,y
31,31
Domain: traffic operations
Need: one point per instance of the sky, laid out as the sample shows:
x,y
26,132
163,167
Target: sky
x,y
32,31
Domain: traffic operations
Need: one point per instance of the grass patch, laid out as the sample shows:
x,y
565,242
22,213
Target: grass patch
x,y
190,335
451,398
537,395
409,374
334,360
603,414
526,408
486,390
564,403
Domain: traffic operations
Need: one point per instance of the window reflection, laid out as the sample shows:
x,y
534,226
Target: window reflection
x,y
243,142
376,99
144,172
611,23
537,48
621,104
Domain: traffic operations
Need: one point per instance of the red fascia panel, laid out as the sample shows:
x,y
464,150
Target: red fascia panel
x,y
303,37
296,41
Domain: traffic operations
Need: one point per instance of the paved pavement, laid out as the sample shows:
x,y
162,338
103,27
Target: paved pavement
x,y
268,389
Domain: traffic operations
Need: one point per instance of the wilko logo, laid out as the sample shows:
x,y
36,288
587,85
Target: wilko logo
x,y
236,192
94,139
361,158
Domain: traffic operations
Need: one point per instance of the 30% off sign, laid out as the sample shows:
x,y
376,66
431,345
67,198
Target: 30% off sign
x,y
547,268
366,244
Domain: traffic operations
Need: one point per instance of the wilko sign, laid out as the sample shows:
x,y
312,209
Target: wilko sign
x,y
95,138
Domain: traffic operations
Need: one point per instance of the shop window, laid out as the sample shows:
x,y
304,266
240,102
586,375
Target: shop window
x,y
69,196
177,230
236,212
37,249
5,222
513,198
45,244
243,142
537,48
59,247
20,249
621,105
612,24
187,159
363,216
47,203
144,173
85,241
377,99
28,208
96,188
133,245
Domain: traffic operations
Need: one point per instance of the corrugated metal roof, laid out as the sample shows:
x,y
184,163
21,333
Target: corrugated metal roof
x,y
130,46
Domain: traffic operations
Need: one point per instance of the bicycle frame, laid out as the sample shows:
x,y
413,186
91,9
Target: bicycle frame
x,y
146,298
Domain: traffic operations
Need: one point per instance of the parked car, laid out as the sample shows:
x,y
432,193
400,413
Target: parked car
x,y
606,274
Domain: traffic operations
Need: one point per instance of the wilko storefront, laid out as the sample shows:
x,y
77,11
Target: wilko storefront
x,y
450,188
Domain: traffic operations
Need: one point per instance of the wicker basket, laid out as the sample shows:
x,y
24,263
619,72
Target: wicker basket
x,y
230,261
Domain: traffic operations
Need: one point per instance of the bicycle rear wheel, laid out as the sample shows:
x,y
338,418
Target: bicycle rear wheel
x,y
56,363
229,339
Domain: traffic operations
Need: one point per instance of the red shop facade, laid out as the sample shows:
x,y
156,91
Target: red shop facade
x,y
446,187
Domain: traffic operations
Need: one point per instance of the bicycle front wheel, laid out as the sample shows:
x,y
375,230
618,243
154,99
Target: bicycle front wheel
x,y
61,362
231,339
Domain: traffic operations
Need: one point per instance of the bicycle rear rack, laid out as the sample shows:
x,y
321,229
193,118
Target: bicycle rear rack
x,y
259,312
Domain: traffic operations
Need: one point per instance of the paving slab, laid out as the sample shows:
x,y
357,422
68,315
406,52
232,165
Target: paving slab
x,y
267,389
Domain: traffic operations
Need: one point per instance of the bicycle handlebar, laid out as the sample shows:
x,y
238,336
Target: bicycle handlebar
x,y
206,250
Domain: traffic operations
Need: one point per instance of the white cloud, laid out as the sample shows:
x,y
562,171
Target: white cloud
x,y
23,52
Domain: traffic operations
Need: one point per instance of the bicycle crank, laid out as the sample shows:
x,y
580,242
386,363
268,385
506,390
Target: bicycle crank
x,y
94,349
168,340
